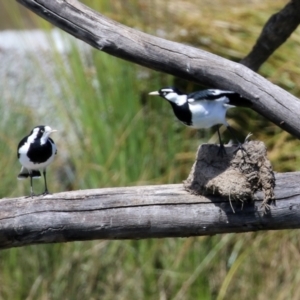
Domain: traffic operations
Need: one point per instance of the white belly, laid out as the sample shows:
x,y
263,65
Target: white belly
x,y
206,114
25,162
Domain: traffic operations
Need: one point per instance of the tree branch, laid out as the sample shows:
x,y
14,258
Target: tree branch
x,y
139,213
180,60
276,31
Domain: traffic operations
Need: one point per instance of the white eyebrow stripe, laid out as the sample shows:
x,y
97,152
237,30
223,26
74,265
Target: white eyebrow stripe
x,y
167,90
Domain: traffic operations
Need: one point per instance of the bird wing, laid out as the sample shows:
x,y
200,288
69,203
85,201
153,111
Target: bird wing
x,y
22,143
211,94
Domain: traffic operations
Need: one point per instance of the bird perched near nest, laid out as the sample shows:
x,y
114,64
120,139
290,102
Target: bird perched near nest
x,y
201,109
35,152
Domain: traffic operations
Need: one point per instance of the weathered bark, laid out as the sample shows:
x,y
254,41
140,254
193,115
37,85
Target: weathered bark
x,y
180,60
141,212
276,31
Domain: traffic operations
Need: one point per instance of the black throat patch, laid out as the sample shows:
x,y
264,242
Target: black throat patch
x,y
38,153
183,113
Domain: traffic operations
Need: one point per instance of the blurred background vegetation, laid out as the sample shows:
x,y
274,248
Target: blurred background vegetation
x,y
112,134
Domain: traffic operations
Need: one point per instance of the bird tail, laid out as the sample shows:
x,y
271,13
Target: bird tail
x,y
236,99
24,173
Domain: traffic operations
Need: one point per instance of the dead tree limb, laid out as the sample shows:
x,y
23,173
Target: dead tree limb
x,y
276,31
180,60
140,213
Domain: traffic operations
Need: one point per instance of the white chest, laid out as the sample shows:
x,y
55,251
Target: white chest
x,y
207,113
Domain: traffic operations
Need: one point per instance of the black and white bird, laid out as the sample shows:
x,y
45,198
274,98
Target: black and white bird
x,y
35,152
201,109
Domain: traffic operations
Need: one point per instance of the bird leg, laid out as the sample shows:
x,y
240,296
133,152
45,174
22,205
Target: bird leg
x,y
31,188
46,192
240,145
221,150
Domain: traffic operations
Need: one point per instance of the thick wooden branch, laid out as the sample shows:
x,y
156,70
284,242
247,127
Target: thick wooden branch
x,y
276,31
139,213
180,60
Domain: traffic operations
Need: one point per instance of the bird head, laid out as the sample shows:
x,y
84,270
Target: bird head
x,y
41,132
171,94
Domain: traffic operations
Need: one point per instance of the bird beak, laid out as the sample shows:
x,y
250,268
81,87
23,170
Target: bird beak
x,y
156,93
53,130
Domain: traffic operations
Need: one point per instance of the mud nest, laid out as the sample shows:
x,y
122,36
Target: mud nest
x,y
236,175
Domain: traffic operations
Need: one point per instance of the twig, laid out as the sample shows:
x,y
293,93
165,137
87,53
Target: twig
x,y
276,31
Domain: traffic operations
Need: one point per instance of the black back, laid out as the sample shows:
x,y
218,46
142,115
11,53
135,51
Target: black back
x,y
234,98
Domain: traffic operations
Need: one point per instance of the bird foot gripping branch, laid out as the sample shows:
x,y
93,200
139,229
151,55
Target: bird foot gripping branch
x,y
236,176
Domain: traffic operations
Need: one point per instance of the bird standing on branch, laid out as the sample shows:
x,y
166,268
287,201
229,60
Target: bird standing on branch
x,y
201,109
35,152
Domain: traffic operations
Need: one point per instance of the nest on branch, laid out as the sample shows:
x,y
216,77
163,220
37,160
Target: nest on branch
x,y
237,175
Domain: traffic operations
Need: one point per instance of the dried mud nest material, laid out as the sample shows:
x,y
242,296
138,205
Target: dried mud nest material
x,y
236,175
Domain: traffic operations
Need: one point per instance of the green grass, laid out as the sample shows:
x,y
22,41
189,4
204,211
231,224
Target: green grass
x,y
114,126
112,269
112,134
